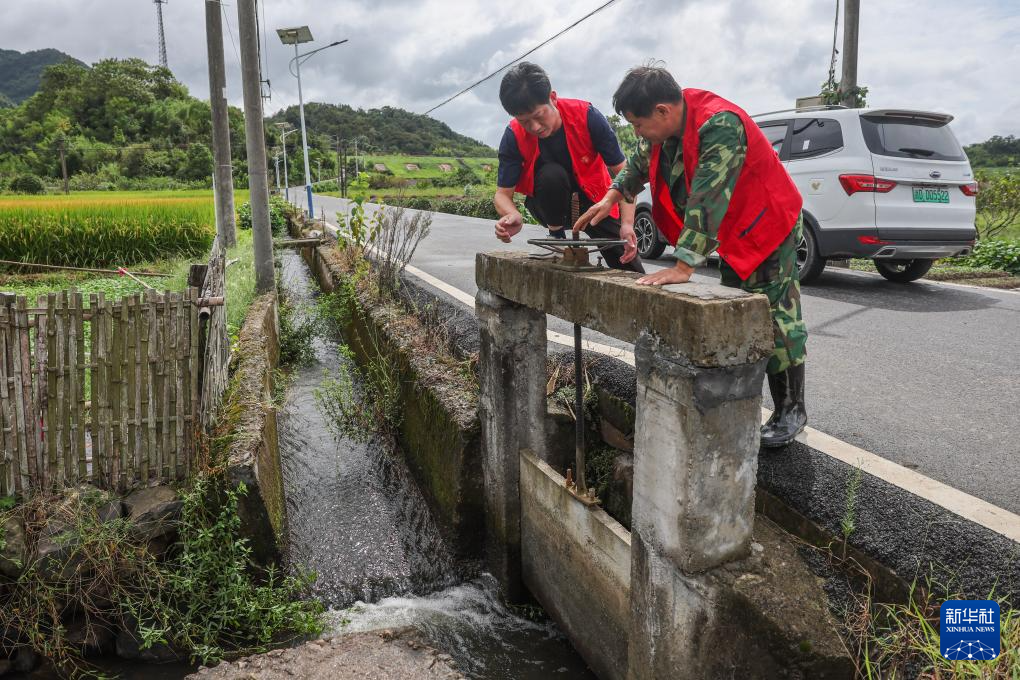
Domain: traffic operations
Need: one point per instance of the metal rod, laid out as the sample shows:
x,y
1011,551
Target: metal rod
x,y
579,462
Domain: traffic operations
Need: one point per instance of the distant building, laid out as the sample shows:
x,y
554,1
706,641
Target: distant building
x,y
411,166
445,167
381,167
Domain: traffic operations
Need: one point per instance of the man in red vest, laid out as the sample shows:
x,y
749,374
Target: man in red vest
x,y
717,185
552,149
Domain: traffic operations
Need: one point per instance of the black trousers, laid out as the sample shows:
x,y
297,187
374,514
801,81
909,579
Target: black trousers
x,y
550,204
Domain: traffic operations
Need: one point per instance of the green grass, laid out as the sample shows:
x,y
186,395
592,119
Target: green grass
x,y
428,165
901,640
477,191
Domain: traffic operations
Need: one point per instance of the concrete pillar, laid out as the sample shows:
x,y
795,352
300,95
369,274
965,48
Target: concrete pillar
x,y
512,360
695,464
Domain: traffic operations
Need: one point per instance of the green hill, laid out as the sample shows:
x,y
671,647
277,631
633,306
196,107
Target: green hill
x,y
20,73
387,130
998,151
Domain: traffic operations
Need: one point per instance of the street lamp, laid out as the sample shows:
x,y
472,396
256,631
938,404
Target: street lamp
x,y
296,36
283,137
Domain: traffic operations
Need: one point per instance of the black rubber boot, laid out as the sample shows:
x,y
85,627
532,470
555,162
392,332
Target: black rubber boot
x,y
790,415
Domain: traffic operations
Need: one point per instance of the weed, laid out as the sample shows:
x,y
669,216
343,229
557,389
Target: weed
x,y
902,640
849,521
297,329
204,600
360,403
398,234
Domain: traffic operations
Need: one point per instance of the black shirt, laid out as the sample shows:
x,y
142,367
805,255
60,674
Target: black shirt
x,y
554,148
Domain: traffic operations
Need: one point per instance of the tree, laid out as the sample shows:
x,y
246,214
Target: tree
x,y
199,163
625,134
998,204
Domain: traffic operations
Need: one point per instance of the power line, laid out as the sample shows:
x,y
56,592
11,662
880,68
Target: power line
x,y
230,32
533,49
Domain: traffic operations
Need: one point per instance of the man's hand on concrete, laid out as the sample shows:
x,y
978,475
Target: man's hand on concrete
x,y
628,235
681,273
508,226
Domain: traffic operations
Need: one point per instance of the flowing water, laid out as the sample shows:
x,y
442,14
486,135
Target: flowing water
x,y
358,520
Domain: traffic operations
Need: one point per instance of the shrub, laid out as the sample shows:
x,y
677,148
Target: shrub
x,y
27,184
279,210
998,204
205,599
1002,255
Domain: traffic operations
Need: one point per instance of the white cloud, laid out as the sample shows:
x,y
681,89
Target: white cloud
x,y
957,57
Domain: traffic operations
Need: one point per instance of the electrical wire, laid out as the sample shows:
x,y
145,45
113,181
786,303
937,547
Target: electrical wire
x,y
533,49
230,32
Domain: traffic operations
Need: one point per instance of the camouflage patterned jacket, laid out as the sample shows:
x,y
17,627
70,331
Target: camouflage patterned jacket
x,y
723,149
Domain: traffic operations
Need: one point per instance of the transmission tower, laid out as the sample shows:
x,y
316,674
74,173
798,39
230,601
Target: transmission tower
x,y
162,37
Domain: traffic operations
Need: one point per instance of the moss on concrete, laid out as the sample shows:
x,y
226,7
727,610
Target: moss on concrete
x,y
247,431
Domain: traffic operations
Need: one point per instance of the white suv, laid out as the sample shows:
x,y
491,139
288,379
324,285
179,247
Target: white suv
x,y
891,185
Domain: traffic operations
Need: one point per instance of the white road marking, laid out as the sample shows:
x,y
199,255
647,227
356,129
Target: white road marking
x,y
983,513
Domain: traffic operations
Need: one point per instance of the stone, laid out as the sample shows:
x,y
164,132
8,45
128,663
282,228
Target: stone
x,y
55,556
14,548
111,510
25,660
92,638
154,511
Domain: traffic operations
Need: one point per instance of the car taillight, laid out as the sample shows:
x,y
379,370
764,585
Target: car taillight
x,y
868,183
969,189
872,241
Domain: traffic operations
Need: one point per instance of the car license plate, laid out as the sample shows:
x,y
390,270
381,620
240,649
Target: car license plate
x,y
931,195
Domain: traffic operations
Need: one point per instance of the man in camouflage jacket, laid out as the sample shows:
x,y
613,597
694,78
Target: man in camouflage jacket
x,y
703,145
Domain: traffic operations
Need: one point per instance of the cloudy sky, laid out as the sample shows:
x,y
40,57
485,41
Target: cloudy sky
x,y
944,55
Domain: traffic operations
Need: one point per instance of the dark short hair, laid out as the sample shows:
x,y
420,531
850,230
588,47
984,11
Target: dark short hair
x,y
642,88
524,87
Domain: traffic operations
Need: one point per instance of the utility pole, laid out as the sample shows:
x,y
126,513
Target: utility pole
x,y
318,171
162,35
223,178
343,164
339,169
355,158
276,161
258,175
63,164
851,27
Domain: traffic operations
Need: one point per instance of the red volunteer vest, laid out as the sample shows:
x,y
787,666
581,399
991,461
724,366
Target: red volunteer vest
x,y
765,203
589,168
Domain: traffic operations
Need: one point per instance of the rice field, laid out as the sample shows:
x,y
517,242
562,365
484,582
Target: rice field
x,y
105,229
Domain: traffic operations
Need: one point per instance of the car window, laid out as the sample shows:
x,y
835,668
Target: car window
x,y
775,133
911,138
814,136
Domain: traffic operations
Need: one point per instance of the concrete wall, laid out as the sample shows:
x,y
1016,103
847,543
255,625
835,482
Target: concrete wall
x,y
576,562
253,456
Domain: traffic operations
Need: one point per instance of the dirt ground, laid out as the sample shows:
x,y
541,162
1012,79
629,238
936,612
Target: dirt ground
x,y
379,655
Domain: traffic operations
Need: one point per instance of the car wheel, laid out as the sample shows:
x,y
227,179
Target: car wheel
x,y
809,261
649,245
903,271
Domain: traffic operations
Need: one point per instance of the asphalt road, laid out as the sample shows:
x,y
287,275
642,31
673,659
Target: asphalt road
x,y
924,374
